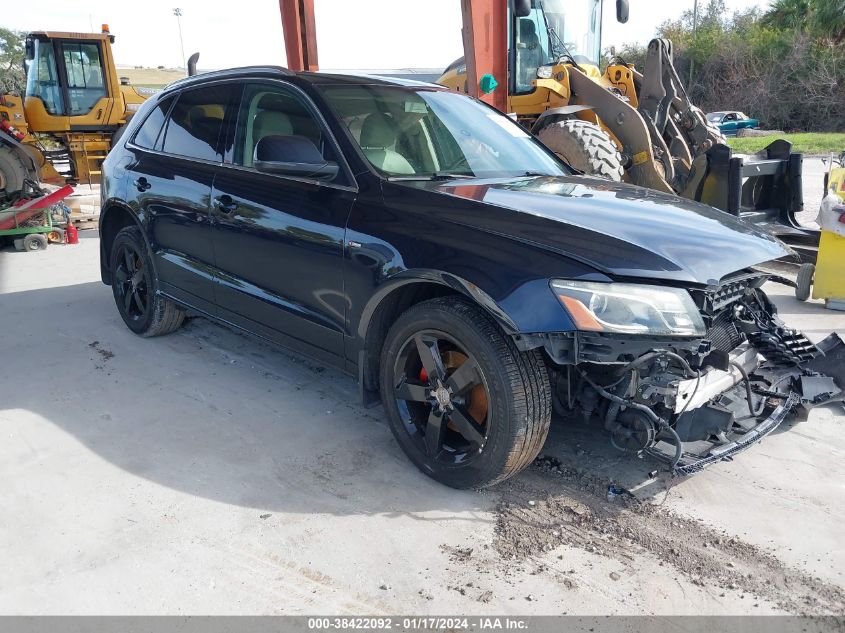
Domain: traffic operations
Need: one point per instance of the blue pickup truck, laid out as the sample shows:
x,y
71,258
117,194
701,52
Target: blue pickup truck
x,y
730,121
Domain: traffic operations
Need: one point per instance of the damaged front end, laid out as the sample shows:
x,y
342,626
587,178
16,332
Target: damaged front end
x,y
690,385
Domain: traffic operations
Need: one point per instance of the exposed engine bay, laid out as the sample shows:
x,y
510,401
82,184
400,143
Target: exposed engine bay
x,y
693,402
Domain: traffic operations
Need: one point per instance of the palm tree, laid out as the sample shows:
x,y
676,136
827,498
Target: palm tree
x,y
787,14
828,18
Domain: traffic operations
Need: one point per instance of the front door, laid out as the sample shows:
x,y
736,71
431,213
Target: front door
x,y
278,240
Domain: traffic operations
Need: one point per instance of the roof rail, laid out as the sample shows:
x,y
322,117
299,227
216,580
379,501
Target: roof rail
x,y
225,73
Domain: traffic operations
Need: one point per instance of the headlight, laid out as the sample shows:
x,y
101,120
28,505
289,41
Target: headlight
x,y
545,72
630,308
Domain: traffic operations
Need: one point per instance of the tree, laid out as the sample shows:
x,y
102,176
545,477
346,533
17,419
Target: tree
x,y
12,78
787,14
785,67
828,19
822,18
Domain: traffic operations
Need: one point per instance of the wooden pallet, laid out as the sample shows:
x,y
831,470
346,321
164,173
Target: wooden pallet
x,y
85,221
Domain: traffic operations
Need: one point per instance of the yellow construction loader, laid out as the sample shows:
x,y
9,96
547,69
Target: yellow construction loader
x,y
75,103
623,124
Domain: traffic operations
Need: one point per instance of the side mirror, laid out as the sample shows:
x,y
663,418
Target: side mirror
x,y
292,156
522,8
622,8
29,48
326,170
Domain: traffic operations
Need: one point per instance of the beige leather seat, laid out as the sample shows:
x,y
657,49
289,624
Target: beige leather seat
x,y
378,136
267,123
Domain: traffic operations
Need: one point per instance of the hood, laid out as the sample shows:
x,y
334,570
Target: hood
x,y
621,230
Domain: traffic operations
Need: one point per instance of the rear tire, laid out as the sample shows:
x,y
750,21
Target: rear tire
x,y
804,282
135,287
35,242
13,172
508,399
585,146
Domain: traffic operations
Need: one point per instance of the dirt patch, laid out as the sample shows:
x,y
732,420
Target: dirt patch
x,y
105,356
457,554
554,504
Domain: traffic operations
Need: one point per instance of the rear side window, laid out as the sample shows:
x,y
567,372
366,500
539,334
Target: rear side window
x,y
193,129
147,134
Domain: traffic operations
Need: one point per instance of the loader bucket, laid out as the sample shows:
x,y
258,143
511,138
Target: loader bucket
x,y
764,188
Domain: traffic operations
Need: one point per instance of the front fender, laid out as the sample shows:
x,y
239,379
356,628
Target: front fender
x,y
557,114
531,307
416,276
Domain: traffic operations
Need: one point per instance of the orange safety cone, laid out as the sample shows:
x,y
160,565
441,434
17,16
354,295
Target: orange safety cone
x,y
71,234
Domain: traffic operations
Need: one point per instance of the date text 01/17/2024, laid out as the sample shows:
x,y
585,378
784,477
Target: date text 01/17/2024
x,y
432,623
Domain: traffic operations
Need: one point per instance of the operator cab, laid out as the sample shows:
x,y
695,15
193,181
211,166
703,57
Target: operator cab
x,y
68,77
541,32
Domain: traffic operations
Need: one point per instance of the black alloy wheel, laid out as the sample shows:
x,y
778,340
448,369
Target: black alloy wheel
x,y
131,283
442,397
467,407
144,310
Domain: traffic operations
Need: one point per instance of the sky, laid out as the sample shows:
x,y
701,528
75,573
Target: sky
x,y
351,34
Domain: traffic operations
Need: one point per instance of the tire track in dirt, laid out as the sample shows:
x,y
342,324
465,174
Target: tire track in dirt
x,y
553,504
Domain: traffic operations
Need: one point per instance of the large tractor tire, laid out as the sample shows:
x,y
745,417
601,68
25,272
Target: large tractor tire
x,y
13,172
585,146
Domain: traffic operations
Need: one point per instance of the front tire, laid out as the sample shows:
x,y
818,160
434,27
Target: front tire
x,y
144,311
585,146
466,406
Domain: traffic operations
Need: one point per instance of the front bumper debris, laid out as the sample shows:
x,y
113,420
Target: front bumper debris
x,y
690,464
696,403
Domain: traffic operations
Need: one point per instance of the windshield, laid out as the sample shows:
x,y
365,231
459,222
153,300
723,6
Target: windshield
x,y
556,28
427,133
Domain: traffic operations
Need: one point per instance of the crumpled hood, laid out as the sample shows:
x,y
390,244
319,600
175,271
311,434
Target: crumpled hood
x,y
619,229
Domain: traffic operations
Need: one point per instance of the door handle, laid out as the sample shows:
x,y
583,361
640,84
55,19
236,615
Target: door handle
x,y
142,184
225,204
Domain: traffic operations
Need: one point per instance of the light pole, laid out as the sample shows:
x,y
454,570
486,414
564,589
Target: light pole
x,y
178,13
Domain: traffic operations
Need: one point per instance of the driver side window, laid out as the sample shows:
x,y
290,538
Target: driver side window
x,y
269,110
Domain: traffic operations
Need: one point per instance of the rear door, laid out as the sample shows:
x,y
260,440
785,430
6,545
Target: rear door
x,y
171,185
278,240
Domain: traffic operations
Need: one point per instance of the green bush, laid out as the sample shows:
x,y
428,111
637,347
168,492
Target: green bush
x,y
785,67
